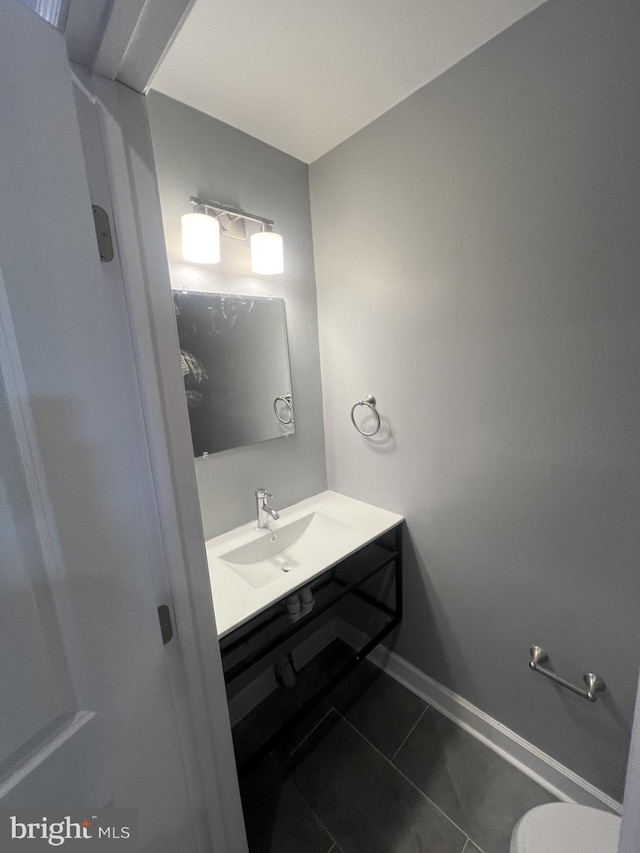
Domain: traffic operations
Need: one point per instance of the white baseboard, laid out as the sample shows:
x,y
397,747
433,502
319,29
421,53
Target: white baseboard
x,y
563,783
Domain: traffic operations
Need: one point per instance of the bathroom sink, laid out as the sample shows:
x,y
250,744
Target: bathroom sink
x,y
270,544
284,548
251,569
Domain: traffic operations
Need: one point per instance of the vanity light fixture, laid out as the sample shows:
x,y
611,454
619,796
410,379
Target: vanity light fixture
x,y
200,238
267,256
202,246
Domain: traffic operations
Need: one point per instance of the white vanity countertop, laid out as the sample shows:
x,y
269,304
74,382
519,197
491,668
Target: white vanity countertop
x,y
355,524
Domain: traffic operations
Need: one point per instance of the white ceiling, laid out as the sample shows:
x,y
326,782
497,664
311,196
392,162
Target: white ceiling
x,y
303,75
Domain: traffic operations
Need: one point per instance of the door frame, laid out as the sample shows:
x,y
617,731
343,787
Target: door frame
x,y
202,714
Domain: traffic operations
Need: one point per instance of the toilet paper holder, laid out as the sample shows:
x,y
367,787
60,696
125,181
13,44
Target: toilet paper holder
x,y
594,683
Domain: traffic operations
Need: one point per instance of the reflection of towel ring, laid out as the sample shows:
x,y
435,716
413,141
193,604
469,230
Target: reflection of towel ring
x,y
287,399
370,402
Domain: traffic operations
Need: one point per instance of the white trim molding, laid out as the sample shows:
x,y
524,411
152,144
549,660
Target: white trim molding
x,y
136,36
559,780
195,667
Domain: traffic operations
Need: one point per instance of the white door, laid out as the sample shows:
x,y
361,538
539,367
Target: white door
x,y
86,716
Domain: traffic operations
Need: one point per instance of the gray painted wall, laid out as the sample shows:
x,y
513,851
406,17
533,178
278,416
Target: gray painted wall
x,y
477,258
198,155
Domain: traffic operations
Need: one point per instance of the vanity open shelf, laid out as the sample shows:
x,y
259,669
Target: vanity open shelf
x,y
363,590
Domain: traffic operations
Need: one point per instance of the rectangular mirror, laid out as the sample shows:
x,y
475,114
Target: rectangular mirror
x,y
235,363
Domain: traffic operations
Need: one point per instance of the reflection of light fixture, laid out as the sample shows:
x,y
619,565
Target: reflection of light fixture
x,y
200,238
266,246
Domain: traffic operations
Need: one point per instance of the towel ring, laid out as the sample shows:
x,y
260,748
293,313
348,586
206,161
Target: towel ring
x,y
287,399
370,402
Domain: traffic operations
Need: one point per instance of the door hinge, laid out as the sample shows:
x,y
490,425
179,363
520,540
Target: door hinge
x,y
103,233
166,628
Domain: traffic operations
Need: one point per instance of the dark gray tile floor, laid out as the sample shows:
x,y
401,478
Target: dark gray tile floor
x,y
375,770
483,794
276,816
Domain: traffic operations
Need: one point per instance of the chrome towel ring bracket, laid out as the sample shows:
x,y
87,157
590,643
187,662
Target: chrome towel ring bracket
x,y
287,399
370,402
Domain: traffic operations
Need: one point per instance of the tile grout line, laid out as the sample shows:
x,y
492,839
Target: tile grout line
x,y
468,839
406,778
468,844
291,781
334,843
309,733
409,733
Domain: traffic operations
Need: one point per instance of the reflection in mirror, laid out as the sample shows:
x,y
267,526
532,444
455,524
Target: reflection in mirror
x,y
235,363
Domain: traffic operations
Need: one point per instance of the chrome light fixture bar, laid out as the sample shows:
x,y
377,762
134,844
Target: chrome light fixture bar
x,y
201,235
234,213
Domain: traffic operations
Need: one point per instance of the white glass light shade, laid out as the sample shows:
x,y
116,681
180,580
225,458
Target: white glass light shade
x,y
267,256
200,238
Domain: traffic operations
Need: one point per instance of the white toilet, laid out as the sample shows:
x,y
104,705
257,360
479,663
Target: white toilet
x,y
565,828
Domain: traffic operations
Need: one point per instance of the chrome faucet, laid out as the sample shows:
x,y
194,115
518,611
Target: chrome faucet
x,y
263,510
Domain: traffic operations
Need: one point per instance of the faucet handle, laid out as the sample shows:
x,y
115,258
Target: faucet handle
x,y
261,492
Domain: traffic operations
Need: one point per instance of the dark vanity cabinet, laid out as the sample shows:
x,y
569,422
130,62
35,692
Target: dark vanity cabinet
x,y
362,593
